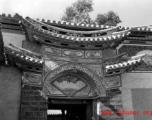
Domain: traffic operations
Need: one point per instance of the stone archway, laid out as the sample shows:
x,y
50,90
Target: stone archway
x,y
95,82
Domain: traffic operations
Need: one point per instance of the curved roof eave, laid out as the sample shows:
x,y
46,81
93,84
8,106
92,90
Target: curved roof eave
x,y
114,28
23,55
122,65
72,25
114,36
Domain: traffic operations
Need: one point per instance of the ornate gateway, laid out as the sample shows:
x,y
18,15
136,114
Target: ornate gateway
x,y
68,71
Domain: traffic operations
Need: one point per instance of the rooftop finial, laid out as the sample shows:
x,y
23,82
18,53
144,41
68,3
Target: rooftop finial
x,y
9,15
48,21
43,20
3,15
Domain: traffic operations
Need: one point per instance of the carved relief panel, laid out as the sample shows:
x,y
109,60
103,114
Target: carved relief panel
x,y
92,78
31,78
69,85
112,82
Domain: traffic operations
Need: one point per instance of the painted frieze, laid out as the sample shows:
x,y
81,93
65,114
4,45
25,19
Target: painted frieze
x,y
71,53
73,59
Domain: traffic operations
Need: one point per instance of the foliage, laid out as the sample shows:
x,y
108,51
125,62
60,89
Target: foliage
x,y
79,11
111,18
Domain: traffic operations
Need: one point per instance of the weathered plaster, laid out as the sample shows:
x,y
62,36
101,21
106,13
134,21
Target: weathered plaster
x,y
132,81
10,92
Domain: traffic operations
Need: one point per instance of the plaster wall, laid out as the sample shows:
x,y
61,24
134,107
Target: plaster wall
x,y
10,93
137,94
13,38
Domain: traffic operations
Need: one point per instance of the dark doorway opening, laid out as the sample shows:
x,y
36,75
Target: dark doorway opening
x,y
69,109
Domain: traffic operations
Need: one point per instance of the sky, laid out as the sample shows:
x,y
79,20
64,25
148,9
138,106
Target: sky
x,y
132,13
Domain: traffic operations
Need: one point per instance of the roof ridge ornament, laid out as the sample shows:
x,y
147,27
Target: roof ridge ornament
x,y
15,16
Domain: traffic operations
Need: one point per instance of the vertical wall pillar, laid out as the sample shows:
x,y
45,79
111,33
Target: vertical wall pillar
x,y
95,116
33,105
89,112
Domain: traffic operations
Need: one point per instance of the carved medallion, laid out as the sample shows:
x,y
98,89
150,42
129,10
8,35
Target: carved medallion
x,y
72,53
51,50
93,54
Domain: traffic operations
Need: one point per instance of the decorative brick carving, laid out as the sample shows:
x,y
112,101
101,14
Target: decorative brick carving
x,y
97,69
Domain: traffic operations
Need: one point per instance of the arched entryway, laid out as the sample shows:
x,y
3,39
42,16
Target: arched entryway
x,y
70,89
79,70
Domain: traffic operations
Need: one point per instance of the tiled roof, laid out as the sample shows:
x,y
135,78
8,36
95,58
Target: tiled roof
x,y
79,25
40,24
23,55
142,28
114,36
132,61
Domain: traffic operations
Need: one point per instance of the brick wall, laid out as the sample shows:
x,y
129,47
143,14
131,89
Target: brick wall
x,y
113,102
33,106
